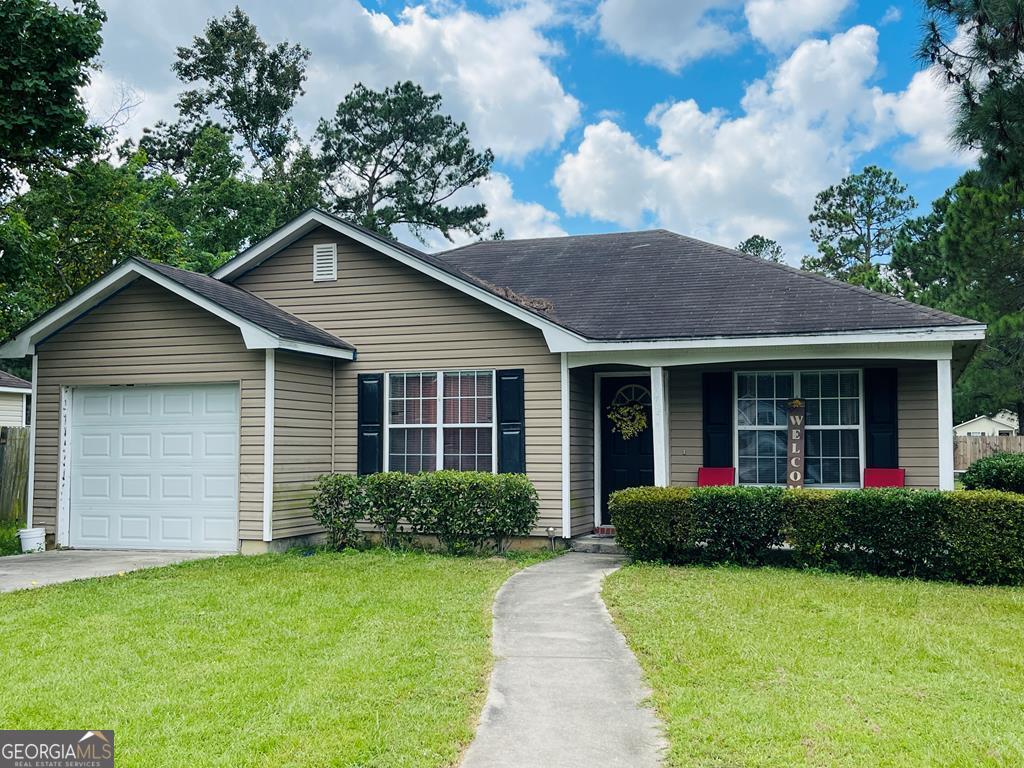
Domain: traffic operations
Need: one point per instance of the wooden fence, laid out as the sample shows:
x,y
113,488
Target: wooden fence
x,y
969,448
13,474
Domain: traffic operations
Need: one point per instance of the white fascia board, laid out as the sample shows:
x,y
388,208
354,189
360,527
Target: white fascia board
x,y
16,390
893,336
554,334
253,335
316,349
932,350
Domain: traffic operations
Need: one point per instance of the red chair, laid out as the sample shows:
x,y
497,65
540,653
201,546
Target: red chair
x,y
885,478
708,476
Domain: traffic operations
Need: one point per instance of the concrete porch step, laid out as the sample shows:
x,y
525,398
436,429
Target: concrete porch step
x,y
602,545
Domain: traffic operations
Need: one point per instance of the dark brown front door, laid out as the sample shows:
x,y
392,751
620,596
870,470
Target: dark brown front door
x,y
625,463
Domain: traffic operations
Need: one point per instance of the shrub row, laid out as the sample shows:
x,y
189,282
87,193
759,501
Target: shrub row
x,y
1002,472
969,536
467,511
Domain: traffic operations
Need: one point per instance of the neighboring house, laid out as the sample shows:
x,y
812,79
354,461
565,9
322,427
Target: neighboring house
x,y
15,401
178,410
1003,423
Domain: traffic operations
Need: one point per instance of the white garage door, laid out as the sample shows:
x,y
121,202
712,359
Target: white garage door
x,y
154,467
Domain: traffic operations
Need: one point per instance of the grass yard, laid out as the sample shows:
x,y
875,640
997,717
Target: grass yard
x,y
771,667
350,659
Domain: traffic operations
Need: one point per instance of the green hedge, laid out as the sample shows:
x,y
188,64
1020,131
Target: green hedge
x,y
969,536
1002,472
467,511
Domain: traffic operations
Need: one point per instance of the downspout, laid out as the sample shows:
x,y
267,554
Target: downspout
x,y
334,410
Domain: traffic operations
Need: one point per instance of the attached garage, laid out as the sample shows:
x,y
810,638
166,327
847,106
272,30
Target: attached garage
x,y
154,467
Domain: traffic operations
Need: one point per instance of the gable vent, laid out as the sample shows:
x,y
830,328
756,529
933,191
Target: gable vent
x,y
325,262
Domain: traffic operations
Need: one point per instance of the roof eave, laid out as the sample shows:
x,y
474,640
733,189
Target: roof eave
x,y
254,336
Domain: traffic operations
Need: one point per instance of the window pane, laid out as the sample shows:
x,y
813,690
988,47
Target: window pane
x,y
849,412
766,386
812,412
784,385
848,385
747,442
748,470
781,412
830,385
809,385
812,442
766,413
745,412
848,441
766,471
829,412
830,471
468,397
745,385
829,442
850,470
812,471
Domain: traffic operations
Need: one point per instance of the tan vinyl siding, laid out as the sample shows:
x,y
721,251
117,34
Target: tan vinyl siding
x,y
686,418
147,335
918,423
581,448
302,438
401,320
12,409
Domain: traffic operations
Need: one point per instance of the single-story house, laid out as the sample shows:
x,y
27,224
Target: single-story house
x,y
181,410
1003,423
15,401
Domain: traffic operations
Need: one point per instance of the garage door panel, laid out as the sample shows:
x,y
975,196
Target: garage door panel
x,y
155,467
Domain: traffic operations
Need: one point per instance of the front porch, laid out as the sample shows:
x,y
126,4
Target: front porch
x,y
868,406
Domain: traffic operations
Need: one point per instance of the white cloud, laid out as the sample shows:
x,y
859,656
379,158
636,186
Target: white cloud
x,y
925,112
726,177
780,24
494,71
892,15
668,33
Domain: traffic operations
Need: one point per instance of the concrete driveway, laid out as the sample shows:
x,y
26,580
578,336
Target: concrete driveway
x,y
58,565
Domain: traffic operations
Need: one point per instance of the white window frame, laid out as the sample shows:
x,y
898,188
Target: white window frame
x,y
861,445
330,250
440,425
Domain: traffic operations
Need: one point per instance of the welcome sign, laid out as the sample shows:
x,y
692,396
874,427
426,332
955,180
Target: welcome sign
x,y
797,410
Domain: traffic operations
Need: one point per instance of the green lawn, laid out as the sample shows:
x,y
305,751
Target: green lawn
x,y
351,659
769,667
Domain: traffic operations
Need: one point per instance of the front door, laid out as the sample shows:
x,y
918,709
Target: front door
x,y
627,460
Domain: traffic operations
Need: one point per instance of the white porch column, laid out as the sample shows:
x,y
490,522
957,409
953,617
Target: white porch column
x,y
566,454
268,446
659,415
945,392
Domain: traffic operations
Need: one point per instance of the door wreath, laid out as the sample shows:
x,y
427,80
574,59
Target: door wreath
x,y
628,411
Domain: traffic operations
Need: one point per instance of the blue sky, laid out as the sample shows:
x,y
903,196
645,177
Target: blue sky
x,y
716,118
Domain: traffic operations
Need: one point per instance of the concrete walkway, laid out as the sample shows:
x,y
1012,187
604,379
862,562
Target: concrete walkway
x,y
566,690
58,565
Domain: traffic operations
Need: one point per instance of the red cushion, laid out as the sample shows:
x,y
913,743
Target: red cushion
x,y
885,478
715,476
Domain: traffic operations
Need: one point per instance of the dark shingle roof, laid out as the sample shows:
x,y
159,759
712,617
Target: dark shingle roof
x,y
7,380
250,307
661,285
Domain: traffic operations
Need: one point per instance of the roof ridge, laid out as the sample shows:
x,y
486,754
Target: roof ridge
x,y
861,290
577,236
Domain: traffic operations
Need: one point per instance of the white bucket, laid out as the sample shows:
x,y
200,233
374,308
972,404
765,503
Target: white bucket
x,y
32,539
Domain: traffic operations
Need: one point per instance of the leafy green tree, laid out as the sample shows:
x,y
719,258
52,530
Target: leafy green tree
x,y
763,247
72,226
393,158
854,225
994,379
246,84
979,44
46,54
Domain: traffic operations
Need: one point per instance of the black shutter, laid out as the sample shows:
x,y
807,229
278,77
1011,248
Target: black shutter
x,y
880,408
718,419
511,421
370,408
